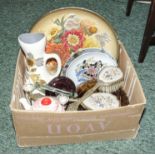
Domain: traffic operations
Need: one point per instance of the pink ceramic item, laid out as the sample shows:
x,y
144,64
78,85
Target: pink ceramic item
x,y
46,103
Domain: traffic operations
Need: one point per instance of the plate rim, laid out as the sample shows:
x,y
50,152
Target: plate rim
x,y
82,52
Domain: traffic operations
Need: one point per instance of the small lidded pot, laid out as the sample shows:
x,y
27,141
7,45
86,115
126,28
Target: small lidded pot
x,y
49,104
111,78
99,101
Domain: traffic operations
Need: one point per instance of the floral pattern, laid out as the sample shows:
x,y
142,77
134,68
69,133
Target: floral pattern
x,y
111,74
59,49
72,22
104,101
71,33
103,38
73,39
88,70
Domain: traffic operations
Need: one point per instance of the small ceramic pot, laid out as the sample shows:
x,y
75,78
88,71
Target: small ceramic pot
x,y
111,78
98,101
43,104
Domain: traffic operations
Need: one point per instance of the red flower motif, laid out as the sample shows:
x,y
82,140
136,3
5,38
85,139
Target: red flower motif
x,y
59,48
73,39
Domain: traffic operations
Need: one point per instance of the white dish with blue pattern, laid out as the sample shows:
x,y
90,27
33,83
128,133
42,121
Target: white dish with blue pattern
x,y
86,65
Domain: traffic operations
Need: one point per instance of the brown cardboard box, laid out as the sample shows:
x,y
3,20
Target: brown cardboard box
x,y
46,128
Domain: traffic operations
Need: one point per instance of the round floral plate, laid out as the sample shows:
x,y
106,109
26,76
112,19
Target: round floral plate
x,y
69,29
86,65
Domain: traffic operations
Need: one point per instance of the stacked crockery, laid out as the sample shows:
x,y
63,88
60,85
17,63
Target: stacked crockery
x,y
75,51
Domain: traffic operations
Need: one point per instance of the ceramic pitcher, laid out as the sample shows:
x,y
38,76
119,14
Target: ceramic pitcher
x,y
32,44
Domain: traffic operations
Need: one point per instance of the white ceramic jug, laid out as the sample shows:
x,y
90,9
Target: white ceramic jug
x,y
32,44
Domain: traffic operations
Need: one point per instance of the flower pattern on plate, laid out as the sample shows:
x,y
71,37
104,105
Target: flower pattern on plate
x,y
89,69
72,33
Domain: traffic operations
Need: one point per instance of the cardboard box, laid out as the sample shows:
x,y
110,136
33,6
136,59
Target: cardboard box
x,y
46,128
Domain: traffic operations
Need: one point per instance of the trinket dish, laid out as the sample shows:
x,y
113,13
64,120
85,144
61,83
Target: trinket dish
x,y
98,101
112,79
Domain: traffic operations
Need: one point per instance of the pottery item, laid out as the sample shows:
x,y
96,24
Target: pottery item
x,y
86,65
52,67
41,66
25,103
64,84
43,104
28,87
33,92
33,44
113,84
98,101
112,78
52,63
63,99
73,28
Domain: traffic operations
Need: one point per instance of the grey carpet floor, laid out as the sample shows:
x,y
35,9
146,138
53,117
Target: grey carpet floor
x,y
17,16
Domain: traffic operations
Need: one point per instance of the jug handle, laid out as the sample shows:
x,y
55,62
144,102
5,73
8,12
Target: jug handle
x,y
55,56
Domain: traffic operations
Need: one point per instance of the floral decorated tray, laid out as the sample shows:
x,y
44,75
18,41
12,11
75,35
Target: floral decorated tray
x,y
70,29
